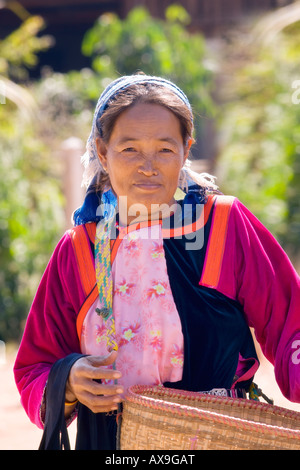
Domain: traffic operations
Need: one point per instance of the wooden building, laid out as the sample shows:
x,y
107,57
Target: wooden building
x,y
68,20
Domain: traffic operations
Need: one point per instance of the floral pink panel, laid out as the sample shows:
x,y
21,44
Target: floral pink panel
x,y
148,326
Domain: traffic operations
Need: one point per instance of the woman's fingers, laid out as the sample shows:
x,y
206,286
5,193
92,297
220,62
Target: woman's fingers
x,y
94,367
83,383
97,361
97,388
100,403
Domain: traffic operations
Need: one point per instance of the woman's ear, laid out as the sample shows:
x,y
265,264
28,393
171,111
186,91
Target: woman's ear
x,y
101,150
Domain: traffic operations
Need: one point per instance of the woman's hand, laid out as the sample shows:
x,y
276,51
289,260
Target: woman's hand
x,y
81,384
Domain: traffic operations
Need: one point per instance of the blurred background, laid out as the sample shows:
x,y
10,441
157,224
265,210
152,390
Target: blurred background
x,y
238,62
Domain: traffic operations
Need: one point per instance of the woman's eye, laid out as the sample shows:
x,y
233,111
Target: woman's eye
x,y
129,149
166,150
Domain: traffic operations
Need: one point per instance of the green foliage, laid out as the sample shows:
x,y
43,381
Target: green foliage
x,y
259,128
19,50
66,105
155,47
31,216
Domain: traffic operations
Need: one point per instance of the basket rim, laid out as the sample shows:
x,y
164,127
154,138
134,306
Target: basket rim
x,y
136,390
134,395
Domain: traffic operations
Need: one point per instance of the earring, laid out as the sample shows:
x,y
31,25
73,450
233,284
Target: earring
x,y
183,183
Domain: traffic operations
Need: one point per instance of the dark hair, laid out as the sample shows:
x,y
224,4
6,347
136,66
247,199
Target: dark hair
x,y
146,93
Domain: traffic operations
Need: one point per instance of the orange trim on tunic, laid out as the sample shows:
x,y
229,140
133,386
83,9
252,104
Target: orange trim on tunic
x,y
83,256
216,243
166,233
91,230
197,225
92,297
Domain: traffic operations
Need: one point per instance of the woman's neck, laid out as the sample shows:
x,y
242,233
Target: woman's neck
x,y
157,212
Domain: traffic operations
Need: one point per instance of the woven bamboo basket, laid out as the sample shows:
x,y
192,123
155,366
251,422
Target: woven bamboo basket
x,y
158,418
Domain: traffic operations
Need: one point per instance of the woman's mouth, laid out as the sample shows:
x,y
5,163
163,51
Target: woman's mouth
x,y
147,186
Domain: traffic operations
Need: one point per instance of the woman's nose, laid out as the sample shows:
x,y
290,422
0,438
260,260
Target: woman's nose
x,y
147,166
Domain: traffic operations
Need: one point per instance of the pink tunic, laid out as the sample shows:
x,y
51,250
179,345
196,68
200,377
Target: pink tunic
x,y
255,271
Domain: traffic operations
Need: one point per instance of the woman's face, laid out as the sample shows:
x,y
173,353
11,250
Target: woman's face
x,y
143,159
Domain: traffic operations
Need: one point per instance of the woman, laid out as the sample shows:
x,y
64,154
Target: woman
x,y
187,272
